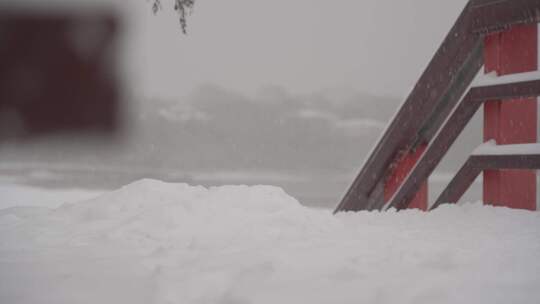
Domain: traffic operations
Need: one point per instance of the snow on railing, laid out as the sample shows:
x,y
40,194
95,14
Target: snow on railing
x,y
492,78
491,148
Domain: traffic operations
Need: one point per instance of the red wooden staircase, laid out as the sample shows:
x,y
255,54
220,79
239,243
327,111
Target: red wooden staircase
x,y
500,35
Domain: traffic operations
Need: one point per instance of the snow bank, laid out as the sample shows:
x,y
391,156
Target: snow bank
x,y
12,194
152,242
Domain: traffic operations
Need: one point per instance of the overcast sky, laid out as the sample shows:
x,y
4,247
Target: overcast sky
x,y
374,46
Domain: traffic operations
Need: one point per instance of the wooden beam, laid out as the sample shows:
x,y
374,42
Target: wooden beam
x,y
476,164
458,185
498,15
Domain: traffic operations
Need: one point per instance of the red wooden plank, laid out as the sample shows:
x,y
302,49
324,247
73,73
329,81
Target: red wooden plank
x,y
399,174
513,51
511,122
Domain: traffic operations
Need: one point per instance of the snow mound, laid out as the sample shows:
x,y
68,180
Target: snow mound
x,y
154,242
144,196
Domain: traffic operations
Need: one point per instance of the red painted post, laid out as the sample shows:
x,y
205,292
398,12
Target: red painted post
x,y
400,172
511,122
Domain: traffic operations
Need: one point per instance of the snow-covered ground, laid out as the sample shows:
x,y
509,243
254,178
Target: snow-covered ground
x,y
12,194
153,242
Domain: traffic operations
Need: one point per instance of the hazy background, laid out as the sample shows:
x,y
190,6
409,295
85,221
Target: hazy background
x,y
292,93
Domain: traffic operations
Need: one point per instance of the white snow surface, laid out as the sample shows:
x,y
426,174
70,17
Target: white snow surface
x,y
12,195
494,79
153,242
491,148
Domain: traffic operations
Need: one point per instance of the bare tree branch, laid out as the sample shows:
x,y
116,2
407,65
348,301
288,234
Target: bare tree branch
x,y
182,7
